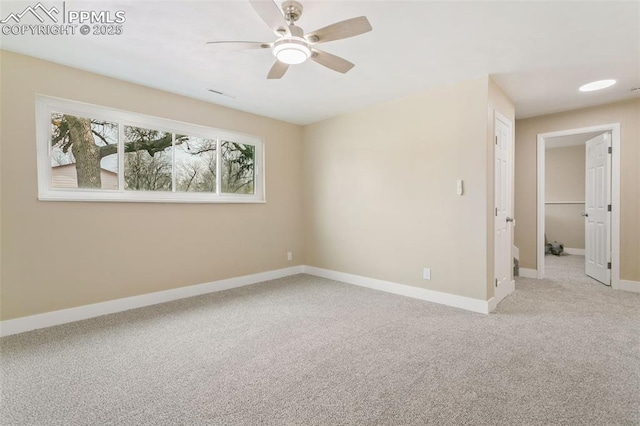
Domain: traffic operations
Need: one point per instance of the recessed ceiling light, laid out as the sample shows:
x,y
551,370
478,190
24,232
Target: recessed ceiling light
x,y
597,85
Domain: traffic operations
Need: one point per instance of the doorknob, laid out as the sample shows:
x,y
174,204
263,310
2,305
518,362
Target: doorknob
x,y
584,215
509,219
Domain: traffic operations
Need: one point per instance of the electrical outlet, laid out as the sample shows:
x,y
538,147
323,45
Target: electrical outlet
x,y
289,255
426,273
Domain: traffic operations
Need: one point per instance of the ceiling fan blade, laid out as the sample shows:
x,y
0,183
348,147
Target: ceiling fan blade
x,y
343,29
239,45
295,31
330,61
270,14
277,70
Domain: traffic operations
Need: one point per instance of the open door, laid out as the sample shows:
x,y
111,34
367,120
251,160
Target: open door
x,y
598,209
503,180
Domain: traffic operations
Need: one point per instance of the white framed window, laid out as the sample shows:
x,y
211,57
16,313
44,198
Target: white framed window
x,y
92,153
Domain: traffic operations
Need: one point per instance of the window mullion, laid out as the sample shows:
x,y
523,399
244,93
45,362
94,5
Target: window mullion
x,y
173,162
218,166
121,187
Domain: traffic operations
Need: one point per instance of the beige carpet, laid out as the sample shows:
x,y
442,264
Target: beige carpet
x,y
567,268
308,351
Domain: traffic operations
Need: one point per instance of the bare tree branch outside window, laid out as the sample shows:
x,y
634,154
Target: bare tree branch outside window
x,y
154,160
238,172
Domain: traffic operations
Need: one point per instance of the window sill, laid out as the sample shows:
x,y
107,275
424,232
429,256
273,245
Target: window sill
x,y
147,197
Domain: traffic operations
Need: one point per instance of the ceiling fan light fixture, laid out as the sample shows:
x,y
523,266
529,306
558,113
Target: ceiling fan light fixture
x,y
291,50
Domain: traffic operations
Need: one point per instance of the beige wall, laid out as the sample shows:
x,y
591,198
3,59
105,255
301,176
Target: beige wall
x,y
564,224
380,190
627,113
564,181
564,173
371,193
59,255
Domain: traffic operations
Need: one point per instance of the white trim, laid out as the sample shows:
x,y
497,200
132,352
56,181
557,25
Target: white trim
x,y
141,197
627,285
516,253
64,316
614,128
574,251
20,325
615,201
540,211
462,302
528,273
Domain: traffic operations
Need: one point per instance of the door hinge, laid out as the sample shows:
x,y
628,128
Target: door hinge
x,y
609,150
496,282
608,265
609,208
496,211
496,139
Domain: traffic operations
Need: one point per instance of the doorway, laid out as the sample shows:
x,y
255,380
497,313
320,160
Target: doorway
x,y
572,206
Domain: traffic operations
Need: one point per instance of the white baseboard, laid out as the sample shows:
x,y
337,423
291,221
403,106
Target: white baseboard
x,y
528,273
627,285
579,252
462,302
49,319
19,325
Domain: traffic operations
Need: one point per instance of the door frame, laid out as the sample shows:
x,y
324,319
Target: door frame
x,y
614,128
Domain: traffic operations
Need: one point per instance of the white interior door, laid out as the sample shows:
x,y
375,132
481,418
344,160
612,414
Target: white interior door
x,y
503,200
597,213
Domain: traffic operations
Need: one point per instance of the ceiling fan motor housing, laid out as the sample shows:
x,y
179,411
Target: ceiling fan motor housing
x,y
292,10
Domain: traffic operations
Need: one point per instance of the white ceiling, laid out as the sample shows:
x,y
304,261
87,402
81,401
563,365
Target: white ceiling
x,y
539,52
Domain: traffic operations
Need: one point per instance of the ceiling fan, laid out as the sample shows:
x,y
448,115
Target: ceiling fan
x,y
293,46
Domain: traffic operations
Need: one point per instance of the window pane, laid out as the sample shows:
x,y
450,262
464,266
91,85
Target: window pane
x,y
147,159
195,164
84,152
237,168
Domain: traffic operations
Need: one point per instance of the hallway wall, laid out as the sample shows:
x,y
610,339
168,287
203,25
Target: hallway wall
x,y
627,113
564,185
